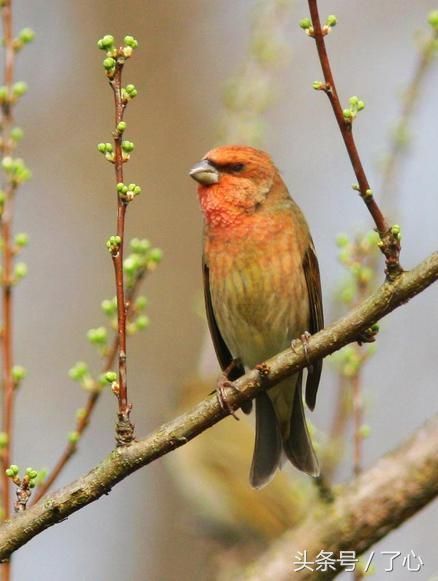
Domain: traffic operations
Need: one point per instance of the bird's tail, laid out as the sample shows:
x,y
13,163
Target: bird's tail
x,y
281,426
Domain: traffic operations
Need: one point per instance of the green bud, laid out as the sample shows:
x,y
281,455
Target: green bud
x,y
109,306
364,431
21,239
81,413
31,473
130,91
14,469
433,19
155,255
127,146
121,126
395,229
26,35
20,270
109,63
110,376
360,105
130,41
101,147
18,373
106,42
366,274
19,89
79,371
142,322
348,114
342,240
331,20
73,437
131,264
353,101
140,246
318,85
113,243
121,187
141,302
305,23
17,134
98,336
8,163
347,294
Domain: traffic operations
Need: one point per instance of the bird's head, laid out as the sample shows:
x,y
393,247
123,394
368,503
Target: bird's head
x,y
234,182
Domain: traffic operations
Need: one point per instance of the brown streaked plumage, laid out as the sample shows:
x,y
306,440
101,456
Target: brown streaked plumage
x,y
262,290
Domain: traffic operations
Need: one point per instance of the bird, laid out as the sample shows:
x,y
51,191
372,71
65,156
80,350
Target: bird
x,y
262,292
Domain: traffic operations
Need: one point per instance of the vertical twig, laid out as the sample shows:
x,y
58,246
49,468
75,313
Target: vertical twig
x,y
125,429
390,242
6,229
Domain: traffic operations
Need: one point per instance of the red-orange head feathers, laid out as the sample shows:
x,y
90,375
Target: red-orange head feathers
x,y
233,181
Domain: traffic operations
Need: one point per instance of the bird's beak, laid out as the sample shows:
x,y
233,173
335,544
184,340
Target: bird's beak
x,y
204,173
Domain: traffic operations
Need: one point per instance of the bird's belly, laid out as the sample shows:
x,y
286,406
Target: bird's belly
x,y
260,306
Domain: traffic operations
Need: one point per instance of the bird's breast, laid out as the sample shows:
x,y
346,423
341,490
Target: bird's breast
x,y
258,292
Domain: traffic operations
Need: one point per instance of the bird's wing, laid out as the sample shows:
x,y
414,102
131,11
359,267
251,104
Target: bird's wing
x,y
222,352
313,282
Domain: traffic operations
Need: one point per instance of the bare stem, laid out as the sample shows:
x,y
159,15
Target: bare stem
x,y
8,263
390,243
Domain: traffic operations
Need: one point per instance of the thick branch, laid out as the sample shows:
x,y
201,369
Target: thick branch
x,y
385,496
125,460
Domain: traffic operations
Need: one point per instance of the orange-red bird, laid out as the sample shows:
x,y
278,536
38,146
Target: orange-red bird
x,y
262,290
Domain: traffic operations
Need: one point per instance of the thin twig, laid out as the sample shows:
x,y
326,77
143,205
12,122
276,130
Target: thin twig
x,y
8,260
124,428
410,98
125,460
390,242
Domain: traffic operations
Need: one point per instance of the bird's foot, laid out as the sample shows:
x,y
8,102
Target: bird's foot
x,y
304,341
223,383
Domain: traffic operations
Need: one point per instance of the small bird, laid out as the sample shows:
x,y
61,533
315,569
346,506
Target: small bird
x,y
262,291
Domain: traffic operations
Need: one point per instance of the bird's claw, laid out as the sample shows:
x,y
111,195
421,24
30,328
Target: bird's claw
x,y
223,383
304,341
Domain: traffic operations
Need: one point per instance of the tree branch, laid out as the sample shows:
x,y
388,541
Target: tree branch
x,y
382,498
125,460
390,240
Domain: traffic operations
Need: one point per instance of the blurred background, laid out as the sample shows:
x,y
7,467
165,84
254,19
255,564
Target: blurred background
x,y
189,51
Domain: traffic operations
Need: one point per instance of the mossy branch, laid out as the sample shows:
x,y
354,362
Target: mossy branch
x,y
126,460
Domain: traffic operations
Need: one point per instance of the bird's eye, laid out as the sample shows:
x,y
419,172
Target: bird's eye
x,y
235,167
